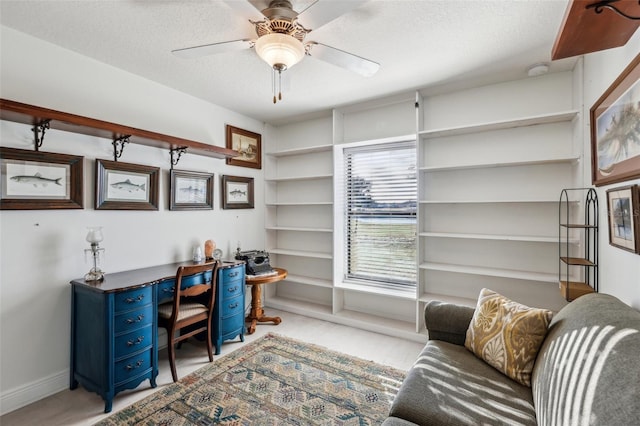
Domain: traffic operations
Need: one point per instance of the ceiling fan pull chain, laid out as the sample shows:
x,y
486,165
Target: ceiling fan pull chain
x,y
279,85
273,84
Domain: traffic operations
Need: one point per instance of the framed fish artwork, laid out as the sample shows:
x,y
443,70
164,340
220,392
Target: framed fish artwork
x,y
190,190
124,186
36,180
615,129
237,192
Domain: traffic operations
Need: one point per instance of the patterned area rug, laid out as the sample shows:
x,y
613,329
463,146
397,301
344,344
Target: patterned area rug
x,y
273,381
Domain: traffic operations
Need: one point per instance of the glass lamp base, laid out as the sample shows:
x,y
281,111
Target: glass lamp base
x,y
95,274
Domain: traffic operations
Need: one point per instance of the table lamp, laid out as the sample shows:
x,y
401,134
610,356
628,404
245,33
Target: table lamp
x,y
94,236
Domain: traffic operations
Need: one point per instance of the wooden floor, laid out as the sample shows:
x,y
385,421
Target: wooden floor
x,y
80,407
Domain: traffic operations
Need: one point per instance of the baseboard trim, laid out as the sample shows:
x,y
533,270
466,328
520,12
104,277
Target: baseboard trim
x,y
26,394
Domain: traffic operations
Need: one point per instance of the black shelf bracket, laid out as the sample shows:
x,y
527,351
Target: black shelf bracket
x,y
38,132
608,4
118,146
179,151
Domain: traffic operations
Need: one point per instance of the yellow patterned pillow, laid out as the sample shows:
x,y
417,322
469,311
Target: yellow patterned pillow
x,y
507,335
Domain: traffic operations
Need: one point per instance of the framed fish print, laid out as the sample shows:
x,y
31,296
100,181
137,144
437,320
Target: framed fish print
x,y
248,145
36,180
237,192
615,134
190,190
124,186
623,208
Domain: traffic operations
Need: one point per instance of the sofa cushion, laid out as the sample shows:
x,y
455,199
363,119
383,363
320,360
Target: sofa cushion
x,y
507,335
448,385
588,369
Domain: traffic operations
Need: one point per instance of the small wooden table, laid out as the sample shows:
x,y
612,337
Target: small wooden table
x,y
256,314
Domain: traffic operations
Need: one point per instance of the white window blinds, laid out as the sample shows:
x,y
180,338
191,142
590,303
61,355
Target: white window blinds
x,y
380,208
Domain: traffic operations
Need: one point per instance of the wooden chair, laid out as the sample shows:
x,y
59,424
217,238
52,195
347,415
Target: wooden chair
x,y
191,309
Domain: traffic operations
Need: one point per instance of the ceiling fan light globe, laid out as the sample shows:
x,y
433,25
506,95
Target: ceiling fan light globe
x,y
280,50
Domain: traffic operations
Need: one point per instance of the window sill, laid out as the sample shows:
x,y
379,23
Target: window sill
x,y
409,294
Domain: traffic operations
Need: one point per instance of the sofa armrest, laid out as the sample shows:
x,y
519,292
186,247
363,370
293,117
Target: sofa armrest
x,y
447,321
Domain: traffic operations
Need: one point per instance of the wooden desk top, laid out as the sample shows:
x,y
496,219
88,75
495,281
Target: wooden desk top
x,y
280,275
142,277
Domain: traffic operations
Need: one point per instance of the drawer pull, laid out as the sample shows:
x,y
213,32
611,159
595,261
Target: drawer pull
x,y
233,274
168,290
233,306
132,320
134,299
135,342
138,364
232,289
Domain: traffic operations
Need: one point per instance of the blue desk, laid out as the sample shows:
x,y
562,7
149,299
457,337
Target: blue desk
x,y
114,326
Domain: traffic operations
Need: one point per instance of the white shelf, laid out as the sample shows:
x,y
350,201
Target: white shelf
x,y
318,282
298,178
296,203
554,201
300,151
291,228
491,272
429,169
524,238
500,125
427,297
298,306
300,253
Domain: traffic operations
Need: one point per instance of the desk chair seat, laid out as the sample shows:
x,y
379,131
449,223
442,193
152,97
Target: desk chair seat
x,y
191,310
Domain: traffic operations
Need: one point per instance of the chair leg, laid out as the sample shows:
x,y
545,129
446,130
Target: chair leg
x,y
209,341
172,360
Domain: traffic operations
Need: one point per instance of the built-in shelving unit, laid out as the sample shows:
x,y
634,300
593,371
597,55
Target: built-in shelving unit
x,y
34,115
488,178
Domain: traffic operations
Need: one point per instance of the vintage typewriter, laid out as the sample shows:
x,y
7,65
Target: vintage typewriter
x,y
256,262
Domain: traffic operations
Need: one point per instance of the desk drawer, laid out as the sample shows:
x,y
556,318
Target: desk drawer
x,y
132,342
131,299
231,289
233,325
132,320
233,274
133,366
231,307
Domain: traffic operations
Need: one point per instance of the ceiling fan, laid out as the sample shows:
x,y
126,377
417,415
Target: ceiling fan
x,y
281,36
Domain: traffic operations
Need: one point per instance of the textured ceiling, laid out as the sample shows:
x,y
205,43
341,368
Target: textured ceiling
x,y
419,44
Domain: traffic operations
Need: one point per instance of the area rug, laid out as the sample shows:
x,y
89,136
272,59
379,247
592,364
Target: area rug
x,y
275,380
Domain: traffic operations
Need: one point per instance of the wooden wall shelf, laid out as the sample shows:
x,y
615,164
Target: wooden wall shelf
x,y
33,115
585,31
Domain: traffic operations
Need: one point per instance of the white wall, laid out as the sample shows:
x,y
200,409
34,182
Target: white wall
x,y
619,269
42,250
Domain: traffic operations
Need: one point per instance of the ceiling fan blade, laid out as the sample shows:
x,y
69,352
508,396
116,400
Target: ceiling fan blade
x,y
343,59
245,9
323,12
211,49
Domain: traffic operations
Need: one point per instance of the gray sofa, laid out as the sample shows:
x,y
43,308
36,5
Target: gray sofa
x,y
587,372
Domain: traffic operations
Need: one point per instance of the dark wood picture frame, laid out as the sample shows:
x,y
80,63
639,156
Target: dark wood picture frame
x,y
248,144
125,186
613,119
237,192
190,190
623,211
36,180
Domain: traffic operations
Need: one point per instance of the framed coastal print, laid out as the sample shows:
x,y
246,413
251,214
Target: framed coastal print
x,y
623,210
124,186
615,134
190,190
248,145
237,192
36,180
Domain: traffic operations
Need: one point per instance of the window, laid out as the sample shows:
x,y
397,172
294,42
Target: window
x,y
378,198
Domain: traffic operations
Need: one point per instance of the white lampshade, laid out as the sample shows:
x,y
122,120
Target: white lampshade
x,y
280,49
94,235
